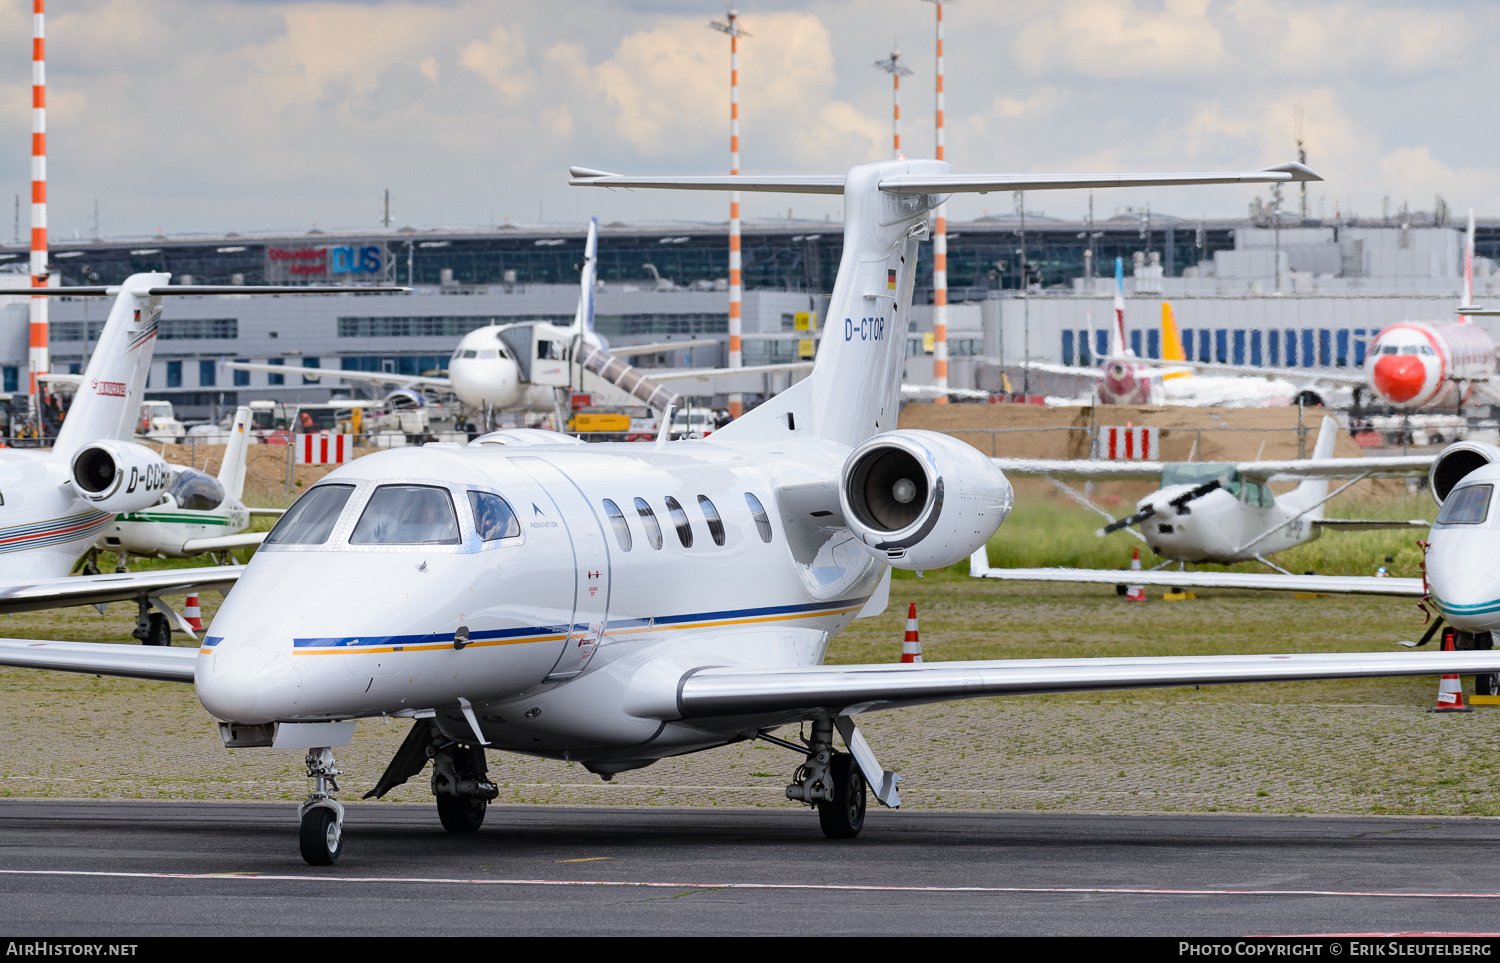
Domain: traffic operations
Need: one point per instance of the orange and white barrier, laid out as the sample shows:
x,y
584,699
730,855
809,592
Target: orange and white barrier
x,y
1135,593
911,646
323,449
1118,443
1450,687
192,613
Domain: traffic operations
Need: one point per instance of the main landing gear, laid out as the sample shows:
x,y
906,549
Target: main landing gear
x,y
322,835
460,776
152,628
831,781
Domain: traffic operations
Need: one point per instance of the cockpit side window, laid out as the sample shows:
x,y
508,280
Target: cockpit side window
x,y
493,517
1466,506
196,490
649,522
470,353
407,515
311,519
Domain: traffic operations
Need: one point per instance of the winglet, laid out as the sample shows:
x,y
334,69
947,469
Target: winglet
x,y
1299,172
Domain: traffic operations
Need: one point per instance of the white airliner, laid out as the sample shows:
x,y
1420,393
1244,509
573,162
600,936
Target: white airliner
x,y
615,604
198,514
55,504
1411,364
525,365
1221,513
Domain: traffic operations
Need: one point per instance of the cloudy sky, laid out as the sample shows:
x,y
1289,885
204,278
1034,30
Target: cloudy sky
x,y
223,115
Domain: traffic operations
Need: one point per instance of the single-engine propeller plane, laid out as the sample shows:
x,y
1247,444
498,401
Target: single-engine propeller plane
x,y
615,604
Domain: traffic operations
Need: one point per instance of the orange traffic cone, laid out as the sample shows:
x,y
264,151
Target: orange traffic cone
x,y
1135,593
911,647
192,613
1450,687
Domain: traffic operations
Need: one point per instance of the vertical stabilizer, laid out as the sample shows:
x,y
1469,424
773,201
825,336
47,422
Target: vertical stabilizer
x,y
588,274
232,471
108,402
1316,489
1468,267
1117,346
1171,338
854,390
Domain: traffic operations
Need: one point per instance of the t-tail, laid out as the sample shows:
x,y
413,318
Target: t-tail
x,y
232,471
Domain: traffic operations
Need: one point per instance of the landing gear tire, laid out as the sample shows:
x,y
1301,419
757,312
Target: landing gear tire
x,y
844,816
1487,684
461,814
321,837
158,630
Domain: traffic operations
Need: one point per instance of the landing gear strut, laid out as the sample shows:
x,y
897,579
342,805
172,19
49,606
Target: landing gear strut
x,y
832,782
460,782
322,834
152,628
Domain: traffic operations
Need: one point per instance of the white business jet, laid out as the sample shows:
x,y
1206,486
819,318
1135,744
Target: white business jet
x,y
615,604
524,366
198,514
55,504
1222,513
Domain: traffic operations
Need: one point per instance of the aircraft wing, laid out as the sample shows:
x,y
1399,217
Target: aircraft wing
x,y
161,663
1047,367
1366,524
1353,377
267,512
630,350
1081,468
55,593
706,374
219,543
778,696
375,377
933,391
58,378
1295,468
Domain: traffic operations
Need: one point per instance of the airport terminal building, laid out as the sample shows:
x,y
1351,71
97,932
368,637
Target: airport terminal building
x,y
1310,294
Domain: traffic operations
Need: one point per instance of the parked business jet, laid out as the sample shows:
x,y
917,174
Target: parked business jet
x,y
617,604
198,514
525,365
1410,365
55,504
1224,513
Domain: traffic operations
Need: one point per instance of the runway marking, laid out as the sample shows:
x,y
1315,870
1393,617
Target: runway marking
x,y
584,859
814,887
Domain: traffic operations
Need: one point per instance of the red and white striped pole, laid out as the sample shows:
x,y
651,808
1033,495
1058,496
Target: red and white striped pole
x,y
896,69
940,244
37,360
731,26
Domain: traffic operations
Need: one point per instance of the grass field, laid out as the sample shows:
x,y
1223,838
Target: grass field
x,y
1357,747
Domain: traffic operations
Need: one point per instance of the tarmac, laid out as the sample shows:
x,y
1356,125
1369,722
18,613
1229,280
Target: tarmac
x,y
122,868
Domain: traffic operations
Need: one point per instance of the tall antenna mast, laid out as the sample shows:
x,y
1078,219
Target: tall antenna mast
x,y
1301,159
731,26
37,359
940,242
897,70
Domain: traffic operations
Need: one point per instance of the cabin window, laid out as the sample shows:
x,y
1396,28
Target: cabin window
x,y
407,515
711,515
762,523
493,517
311,519
1466,506
680,520
648,522
617,522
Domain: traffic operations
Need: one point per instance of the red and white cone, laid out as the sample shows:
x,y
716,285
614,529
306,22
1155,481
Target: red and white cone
x,y
1450,687
192,613
1135,593
911,647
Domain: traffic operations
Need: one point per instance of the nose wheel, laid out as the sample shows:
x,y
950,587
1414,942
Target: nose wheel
x,y
322,834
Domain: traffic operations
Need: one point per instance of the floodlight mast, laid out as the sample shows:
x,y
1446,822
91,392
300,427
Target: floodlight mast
x,y
731,26
939,239
38,360
897,70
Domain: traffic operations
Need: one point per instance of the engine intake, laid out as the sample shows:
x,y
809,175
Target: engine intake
x,y
1455,462
119,476
921,499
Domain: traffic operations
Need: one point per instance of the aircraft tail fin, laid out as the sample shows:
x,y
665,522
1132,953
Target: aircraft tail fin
x,y
1171,338
232,471
1314,490
588,274
1117,347
1469,266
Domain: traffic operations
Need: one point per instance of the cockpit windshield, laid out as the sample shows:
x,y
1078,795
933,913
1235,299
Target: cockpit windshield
x,y
196,491
311,519
407,515
1466,506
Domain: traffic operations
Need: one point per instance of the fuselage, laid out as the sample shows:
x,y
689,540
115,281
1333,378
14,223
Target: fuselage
x,y
484,370
1220,526
1122,382
1417,364
1463,577
559,617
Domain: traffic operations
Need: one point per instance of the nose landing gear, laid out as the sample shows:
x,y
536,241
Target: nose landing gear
x,y
322,834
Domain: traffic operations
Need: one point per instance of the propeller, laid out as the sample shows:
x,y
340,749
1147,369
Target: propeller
x,y
1179,503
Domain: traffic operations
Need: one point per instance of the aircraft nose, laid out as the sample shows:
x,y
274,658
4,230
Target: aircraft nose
x,y
1399,376
1469,600
247,684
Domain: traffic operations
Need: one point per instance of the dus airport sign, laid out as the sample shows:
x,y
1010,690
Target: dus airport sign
x,y
325,261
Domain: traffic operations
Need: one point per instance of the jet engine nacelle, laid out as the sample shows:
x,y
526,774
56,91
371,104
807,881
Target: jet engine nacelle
x,y
1456,461
922,500
118,476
